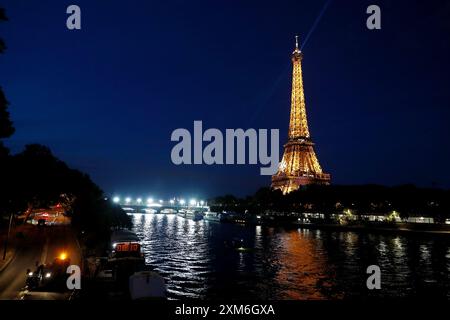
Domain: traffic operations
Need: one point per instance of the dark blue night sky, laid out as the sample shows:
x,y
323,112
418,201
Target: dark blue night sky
x,y
106,98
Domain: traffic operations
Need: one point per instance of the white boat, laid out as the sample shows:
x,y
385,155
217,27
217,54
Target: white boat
x,y
194,215
182,213
168,211
212,216
145,285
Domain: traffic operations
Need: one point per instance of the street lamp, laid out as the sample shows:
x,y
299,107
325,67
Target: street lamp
x,y
128,200
192,202
139,200
182,202
116,199
172,201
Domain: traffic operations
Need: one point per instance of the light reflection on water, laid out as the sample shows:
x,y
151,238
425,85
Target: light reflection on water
x,y
197,262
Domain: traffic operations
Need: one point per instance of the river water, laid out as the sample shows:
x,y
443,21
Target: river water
x,y
198,261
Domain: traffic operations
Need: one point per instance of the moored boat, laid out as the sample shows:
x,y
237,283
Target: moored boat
x,y
194,215
168,211
147,285
125,245
182,213
213,216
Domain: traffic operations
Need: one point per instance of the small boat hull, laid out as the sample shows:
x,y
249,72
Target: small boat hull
x,y
147,285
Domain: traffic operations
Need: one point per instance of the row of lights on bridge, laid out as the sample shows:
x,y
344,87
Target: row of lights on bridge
x,y
139,201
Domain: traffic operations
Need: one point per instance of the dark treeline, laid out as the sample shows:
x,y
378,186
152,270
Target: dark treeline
x,y
35,178
407,200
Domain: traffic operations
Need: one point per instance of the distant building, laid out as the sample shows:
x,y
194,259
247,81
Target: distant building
x,y
420,220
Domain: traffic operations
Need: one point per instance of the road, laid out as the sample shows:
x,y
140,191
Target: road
x,y
41,245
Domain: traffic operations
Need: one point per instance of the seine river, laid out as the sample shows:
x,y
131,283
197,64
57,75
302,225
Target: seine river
x,y
198,260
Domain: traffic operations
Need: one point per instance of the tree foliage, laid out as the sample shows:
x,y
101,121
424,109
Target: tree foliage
x,y
37,179
408,200
6,126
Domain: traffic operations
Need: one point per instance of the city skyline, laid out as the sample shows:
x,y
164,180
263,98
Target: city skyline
x,y
102,98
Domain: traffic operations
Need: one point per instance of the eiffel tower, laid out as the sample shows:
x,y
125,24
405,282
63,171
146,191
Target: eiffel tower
x,y
299,165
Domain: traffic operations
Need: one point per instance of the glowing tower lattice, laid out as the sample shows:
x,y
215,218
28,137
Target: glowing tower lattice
x,y
299,165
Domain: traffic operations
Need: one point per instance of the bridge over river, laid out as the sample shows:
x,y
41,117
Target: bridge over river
x,y
172,206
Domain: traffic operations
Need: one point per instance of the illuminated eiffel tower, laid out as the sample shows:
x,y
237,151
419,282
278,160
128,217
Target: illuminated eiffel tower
x,y
299,165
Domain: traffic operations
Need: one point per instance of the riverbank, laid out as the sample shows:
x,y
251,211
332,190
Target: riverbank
x,y
353,225
430,229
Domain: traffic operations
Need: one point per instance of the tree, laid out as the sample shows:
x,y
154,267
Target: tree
x,y
40,180
6,126
2,18
6,130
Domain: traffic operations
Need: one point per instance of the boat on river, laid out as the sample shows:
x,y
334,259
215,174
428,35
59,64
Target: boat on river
x,y
194,215
147,285
182,213
213,216
241,218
